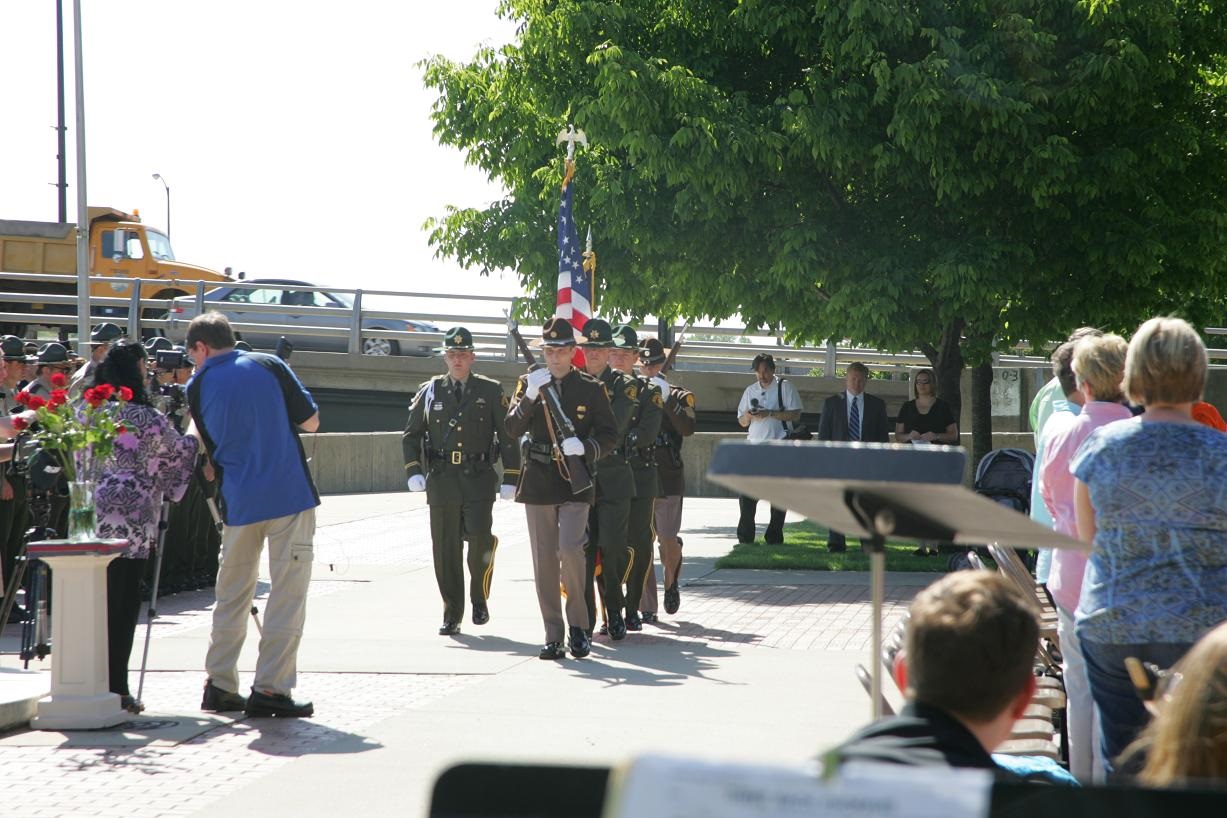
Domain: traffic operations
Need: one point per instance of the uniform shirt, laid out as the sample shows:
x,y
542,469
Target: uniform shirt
x,y
678,421
769,399
249,406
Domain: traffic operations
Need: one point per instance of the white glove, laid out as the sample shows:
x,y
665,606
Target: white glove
x,y
572,446
663,385
535,380
417,483
507,492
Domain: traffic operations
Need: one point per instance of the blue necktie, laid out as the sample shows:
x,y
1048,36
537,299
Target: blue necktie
x,y
854,421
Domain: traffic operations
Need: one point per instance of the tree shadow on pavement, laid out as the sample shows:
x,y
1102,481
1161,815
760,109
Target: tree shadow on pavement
x,y
494,644
685,629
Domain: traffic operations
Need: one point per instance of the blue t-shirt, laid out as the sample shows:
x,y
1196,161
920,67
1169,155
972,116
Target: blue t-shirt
x,y
1158,571
249,405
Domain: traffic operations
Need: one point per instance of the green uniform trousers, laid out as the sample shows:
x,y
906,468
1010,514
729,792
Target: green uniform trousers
x,y
450,525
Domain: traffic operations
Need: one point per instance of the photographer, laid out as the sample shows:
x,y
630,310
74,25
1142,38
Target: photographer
x,y
151,459
247,407
766,405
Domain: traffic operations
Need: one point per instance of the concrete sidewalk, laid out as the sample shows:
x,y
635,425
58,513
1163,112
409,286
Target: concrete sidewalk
x,y
756,666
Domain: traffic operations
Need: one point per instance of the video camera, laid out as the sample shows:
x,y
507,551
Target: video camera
x,y
168,360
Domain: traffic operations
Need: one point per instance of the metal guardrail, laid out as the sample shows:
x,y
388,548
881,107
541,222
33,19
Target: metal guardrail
x,y
489,336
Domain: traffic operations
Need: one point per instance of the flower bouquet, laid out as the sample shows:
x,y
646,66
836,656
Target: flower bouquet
x,y
81,437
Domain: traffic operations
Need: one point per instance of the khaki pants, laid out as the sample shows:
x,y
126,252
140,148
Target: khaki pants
x,y
667,516
557,535
290,554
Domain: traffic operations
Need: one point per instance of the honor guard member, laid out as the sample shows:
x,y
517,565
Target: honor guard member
x,y
51,358
640,451
456,431
678,422
14,504
557,514
615,486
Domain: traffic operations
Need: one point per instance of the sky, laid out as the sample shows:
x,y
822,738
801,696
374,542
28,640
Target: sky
x,y
295,137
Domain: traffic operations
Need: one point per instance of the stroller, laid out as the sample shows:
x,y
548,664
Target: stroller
x,y
1004,475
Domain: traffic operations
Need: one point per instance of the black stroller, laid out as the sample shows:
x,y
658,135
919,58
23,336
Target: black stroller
x,y
1004,475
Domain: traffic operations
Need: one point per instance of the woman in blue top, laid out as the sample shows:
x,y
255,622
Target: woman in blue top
x,y
1152,497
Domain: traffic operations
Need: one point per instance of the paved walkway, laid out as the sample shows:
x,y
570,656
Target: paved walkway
x,y
757,666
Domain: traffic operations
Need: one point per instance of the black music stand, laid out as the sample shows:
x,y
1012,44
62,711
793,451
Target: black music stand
x,y
874,491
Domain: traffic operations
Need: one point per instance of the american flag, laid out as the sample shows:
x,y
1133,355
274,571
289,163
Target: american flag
x,y
574,284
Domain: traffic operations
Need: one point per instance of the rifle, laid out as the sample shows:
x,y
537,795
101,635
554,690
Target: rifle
x,y
513,329
673,350
575,469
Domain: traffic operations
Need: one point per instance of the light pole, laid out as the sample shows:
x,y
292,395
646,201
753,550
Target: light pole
x,y
158,176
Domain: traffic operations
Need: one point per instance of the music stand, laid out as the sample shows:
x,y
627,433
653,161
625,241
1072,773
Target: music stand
x,y
874,491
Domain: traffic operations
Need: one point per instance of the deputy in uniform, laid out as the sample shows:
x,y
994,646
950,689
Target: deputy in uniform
x,y
14,503
640,451
615,487
557,517
678,422
456,431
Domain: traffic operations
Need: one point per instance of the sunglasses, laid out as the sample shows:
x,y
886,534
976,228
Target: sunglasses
x,y
924,383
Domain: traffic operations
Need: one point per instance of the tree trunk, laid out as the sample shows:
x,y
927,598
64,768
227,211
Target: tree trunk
x,y
981,412
947,361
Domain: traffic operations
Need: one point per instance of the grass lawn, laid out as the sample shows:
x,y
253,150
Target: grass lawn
x,y
805,548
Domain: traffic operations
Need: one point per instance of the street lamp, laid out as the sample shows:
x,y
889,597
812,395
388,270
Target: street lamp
x,y
158,176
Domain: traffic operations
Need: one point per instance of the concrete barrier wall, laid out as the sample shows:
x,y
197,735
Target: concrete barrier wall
x,y
360,462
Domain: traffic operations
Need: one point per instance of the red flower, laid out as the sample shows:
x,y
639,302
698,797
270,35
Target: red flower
x,y
35,402
58,398
24,399
121,430
125,394
105,390
94,396
19,423
59,379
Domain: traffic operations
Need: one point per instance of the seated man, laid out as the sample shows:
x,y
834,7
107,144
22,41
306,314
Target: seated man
x,y
971,642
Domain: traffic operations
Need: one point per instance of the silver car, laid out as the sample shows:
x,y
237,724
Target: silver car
x,y
235,303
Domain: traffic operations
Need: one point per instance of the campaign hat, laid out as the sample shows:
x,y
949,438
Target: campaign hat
x,y
557,332
652,351
158,344
625,337
597,334
456,338
14,349
104,333
53,354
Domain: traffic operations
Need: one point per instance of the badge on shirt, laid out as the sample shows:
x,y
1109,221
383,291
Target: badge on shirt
x,y
437,407
581,411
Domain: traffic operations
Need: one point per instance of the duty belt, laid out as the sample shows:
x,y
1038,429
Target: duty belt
x,y
540,452
457,457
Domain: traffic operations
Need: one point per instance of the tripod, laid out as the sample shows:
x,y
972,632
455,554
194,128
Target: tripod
x,y
35,631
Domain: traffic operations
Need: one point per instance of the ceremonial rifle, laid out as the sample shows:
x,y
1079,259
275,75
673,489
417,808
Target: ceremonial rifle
x,y
673,350
513,329
576,467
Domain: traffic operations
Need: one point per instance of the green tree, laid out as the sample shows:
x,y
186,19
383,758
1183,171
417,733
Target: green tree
x,y
951,176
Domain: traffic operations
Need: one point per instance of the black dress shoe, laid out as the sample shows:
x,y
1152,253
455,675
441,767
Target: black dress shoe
x,y
617,628
449,628
277,705
552,650
217,700
481,613
633,622
579,644
603,630
673,599
650,617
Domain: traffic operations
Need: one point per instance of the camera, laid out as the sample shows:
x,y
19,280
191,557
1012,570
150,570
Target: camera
x,y
284,348
755,409
168,360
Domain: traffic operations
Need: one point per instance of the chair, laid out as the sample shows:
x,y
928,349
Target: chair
x,y
866,681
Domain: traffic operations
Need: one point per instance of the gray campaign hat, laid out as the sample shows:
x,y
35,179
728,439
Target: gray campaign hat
x,y
14,349
54,354
104,333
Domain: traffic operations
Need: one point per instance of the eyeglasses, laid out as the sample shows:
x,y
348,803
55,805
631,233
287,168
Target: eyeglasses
x,y
924,383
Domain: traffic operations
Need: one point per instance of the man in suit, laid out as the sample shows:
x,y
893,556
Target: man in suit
x,y
853,415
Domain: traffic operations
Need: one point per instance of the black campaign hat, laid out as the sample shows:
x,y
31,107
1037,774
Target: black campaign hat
x,y
104,333
557,332
158,344
456,338
652,351
14,349
598,334
625,337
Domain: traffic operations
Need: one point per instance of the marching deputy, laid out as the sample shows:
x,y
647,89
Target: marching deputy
x,y
456,431
640,452
556,508
608,537
678,422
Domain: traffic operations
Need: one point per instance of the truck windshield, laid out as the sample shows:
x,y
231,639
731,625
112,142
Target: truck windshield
x,y
159,246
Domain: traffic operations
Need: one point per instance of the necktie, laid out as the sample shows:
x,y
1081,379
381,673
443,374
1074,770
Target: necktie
x,y
854,420
458,391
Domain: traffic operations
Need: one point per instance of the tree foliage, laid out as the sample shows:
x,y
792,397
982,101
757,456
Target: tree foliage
x,y
948,175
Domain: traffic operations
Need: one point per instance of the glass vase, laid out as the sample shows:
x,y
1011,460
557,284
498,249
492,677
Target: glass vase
x,y
82,518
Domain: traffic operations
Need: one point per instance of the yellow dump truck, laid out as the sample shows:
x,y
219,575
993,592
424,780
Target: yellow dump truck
x,y
120,246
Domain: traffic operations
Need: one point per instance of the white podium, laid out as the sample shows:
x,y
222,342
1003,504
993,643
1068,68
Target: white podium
x,y
80,696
